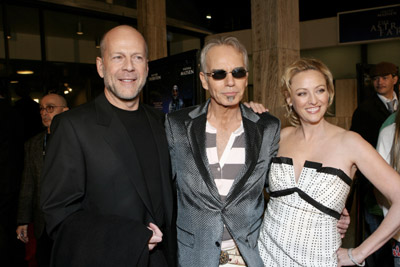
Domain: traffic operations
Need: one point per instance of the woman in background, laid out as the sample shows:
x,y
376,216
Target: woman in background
x,y
309,179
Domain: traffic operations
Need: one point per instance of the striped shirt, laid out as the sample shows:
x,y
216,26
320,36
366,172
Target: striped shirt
x,y
226,169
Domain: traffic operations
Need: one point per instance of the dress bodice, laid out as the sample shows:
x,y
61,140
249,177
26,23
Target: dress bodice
x,y
299,227
324,188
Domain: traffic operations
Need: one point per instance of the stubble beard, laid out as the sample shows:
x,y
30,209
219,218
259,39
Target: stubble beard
x,y
230,98
123,97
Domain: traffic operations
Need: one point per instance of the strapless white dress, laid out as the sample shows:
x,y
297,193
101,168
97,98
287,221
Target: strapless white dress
x,y
299,227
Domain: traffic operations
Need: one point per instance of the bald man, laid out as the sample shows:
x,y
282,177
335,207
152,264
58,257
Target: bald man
x,y
107,193
28,206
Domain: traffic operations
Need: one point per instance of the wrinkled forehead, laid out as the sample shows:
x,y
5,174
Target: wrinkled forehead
x,y
51,100
223,56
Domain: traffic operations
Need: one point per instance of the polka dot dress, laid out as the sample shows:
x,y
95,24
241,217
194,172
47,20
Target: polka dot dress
x,y
299,227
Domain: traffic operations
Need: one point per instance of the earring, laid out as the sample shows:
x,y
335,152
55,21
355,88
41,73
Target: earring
x,y
290,107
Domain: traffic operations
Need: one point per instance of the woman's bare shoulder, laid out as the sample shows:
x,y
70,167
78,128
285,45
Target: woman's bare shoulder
x,y
351,139
287,131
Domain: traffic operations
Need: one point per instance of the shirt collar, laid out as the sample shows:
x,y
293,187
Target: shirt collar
x,y
385,100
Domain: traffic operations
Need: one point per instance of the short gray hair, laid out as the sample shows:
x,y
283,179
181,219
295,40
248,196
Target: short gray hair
x,y
223,40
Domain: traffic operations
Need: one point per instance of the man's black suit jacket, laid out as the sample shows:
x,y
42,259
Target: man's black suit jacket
x,y
94,197
28,205
368,118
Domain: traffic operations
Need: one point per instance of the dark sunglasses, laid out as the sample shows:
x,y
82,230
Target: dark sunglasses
x,y
221,74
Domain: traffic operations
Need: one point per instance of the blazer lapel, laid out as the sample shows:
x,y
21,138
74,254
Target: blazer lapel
x,y
164,161
381,106
196,131
253,135
117,137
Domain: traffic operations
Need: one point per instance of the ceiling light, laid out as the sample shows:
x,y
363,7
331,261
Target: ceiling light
x,y
208,16
79,29
14,81
25,72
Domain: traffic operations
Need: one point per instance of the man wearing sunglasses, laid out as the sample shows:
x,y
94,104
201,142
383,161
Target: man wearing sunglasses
x,y
220,153
28,205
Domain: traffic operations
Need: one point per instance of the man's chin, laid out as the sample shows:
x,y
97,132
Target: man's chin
x,y
125,97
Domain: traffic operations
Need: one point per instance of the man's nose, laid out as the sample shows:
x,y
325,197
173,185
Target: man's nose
x,y
230,80
129,65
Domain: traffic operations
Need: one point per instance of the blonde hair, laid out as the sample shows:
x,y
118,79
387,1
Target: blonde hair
x,y
296,67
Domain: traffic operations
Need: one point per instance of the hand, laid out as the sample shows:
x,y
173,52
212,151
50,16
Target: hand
x,y
343,223
156,237
22,233
256,107
343,257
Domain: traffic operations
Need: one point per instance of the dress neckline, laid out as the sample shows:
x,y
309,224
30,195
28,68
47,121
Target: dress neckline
x,y
313,165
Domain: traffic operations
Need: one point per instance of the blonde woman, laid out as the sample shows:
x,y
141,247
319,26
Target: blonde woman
x,y
311,176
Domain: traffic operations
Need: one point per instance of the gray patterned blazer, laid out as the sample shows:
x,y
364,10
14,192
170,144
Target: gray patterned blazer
x,y
201,214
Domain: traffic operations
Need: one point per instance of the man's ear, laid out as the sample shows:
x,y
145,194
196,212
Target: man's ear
x,y
397,79
203,80
99,65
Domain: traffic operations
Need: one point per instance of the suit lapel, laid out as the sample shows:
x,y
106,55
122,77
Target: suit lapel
x,y
381,107
164,161
117,137
196,131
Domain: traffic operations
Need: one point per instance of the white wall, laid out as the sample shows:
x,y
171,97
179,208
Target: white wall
x,y
319,39
318,33
341,60
177,47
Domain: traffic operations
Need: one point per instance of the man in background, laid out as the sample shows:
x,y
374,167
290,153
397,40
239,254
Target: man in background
x,y
369,116
29,210
367,121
